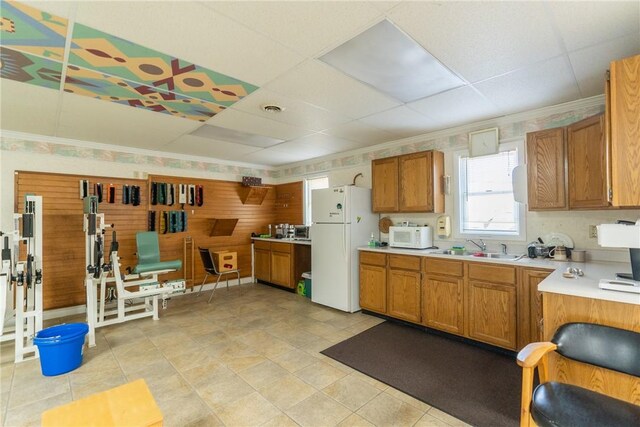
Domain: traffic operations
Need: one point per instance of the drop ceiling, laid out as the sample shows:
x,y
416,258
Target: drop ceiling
x,y
508,57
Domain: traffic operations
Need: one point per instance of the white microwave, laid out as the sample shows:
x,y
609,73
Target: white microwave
x,y
411,237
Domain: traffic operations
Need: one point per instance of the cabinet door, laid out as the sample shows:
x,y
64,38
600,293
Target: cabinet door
x,y
281,269
262,264
416,182
492,313
404,295
373,288
625,131
443,304
545,169
586,161
384,182
532,279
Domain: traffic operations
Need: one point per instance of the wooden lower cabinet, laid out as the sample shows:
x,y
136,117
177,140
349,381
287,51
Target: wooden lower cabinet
x,y
262,264
531,279
443,304
373,288
281,269
405,294
281,263
492,313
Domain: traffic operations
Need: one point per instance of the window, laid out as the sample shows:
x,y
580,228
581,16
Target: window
x,y
486,205
311,184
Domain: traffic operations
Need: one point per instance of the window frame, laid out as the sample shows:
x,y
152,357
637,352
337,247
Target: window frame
x,y
518,145
306,214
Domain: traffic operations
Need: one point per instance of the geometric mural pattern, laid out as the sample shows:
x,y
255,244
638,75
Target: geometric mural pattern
x,y
114,89
105,67
30,30
103,52
31,69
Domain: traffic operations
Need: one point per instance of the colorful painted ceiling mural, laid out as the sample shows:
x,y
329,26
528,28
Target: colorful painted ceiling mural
x,y
108,68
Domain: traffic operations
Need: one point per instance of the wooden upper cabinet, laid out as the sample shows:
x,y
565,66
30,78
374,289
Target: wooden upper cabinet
x,y
624,111
546,169
415,187
587,164
384,180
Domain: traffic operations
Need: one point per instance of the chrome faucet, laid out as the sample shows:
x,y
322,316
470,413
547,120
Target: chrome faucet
x,y
481,245
504,248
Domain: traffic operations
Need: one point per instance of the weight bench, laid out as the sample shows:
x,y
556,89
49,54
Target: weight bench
x,y
144,275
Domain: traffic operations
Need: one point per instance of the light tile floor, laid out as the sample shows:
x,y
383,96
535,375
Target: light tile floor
x,y
249,358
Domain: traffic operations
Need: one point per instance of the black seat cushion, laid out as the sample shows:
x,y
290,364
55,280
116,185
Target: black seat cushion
x,y
556,404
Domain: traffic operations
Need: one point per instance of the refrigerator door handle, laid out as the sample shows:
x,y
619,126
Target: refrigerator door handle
x,y
344,241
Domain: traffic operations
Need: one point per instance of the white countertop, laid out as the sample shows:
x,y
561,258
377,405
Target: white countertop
x,y
581,286
293,241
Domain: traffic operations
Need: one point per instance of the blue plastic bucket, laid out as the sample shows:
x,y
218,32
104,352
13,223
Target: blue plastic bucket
x,y
60,347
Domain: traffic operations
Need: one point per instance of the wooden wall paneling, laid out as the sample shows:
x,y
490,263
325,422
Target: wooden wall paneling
x,y
289,203
222,200
64,266
560,309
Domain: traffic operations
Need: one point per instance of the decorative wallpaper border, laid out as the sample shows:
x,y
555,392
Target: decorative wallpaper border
x,y
446,143
457,141
68,150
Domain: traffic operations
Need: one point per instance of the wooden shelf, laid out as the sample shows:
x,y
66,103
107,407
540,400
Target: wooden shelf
x,y
253,195
223,227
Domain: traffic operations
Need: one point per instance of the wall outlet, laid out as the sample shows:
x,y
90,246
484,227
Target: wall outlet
x,y
593,232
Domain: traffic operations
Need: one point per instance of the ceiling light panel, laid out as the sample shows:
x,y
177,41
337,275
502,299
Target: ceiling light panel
x,y
239,137
390,61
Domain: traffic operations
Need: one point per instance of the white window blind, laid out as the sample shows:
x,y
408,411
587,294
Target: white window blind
x,y
486,194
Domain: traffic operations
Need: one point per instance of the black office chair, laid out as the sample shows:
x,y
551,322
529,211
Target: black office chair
x,y
210,268
554,404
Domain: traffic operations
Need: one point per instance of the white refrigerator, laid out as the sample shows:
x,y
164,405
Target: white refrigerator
x,y
342,221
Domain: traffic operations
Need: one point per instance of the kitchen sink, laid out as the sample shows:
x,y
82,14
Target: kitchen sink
x,y
495,255
498,256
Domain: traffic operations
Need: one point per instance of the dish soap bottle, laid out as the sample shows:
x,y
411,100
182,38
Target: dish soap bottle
x,y
372,241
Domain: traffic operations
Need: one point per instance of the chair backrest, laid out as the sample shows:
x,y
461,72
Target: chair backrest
x,y
604,346
148,247
207,260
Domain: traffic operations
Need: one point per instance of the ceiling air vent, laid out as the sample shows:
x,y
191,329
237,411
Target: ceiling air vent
x,y
272,108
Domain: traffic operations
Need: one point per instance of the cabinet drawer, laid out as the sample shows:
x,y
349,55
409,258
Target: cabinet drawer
x,y
444,267
281,247
261,244
373,258
492,273
405,262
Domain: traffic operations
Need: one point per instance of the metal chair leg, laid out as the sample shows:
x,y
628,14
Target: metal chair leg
x,y
203,282
214,289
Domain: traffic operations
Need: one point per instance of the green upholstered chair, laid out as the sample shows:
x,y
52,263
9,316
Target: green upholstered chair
x,y
149,254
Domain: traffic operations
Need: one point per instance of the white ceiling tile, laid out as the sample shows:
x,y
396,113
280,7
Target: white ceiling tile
x,y
585,23
457,106
385,6
361,132
196,146
480,39
194,33
307,27
328,144
402,121
91,119
28,108
321,85
273,157
549,83
590,64
251,123
296,112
